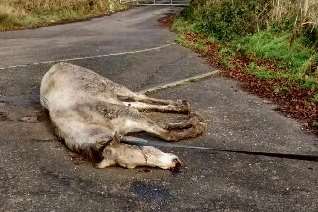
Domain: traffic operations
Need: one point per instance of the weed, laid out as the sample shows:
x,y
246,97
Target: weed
x,y
276,46
261,72
315,98
281,89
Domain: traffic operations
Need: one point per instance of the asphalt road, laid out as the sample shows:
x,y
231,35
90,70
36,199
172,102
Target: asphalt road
x,y
37,173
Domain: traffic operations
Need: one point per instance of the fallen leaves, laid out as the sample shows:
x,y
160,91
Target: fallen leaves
x,y
291,99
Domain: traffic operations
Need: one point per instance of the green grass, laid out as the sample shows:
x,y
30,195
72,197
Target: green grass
x,y
199,45
268,45
17,14
315,98
252,29
262,73
296,62
180,25
265,74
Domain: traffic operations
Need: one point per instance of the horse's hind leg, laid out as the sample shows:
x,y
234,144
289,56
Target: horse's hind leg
x,y
149,100
131,156
129,97
169,132
144,107
135,97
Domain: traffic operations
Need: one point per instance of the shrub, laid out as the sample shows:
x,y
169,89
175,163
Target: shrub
x,y
228,19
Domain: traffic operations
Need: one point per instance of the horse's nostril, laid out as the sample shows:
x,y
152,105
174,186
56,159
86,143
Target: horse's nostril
x,y
177,165
177,162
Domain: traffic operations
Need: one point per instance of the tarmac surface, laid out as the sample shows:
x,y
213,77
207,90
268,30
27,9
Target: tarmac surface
x,y
37,173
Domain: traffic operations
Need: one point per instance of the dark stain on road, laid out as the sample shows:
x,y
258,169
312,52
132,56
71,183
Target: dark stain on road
x,y
151,193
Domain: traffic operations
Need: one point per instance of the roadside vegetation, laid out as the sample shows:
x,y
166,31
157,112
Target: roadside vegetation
x,y
17,14
269,45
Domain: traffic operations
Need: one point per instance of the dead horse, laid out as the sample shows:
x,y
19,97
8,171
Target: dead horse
x,y
92,114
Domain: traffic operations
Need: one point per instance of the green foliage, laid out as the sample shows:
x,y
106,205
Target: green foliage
x,y
265,74
273,46
229,19
309,83
181,25
226,19
199,45
315,98
261,72
281,89
310,36
226,54
270,30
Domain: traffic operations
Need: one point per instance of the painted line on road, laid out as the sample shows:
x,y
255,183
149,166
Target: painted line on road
x,y
195,78
89,57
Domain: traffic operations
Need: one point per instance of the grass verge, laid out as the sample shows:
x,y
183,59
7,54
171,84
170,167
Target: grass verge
x,y
266,63
19,14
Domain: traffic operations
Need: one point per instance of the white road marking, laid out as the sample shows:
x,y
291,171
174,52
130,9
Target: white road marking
x,y
88,57
180,82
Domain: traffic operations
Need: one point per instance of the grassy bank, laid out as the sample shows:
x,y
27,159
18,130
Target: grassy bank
x,y
271,46
17,14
